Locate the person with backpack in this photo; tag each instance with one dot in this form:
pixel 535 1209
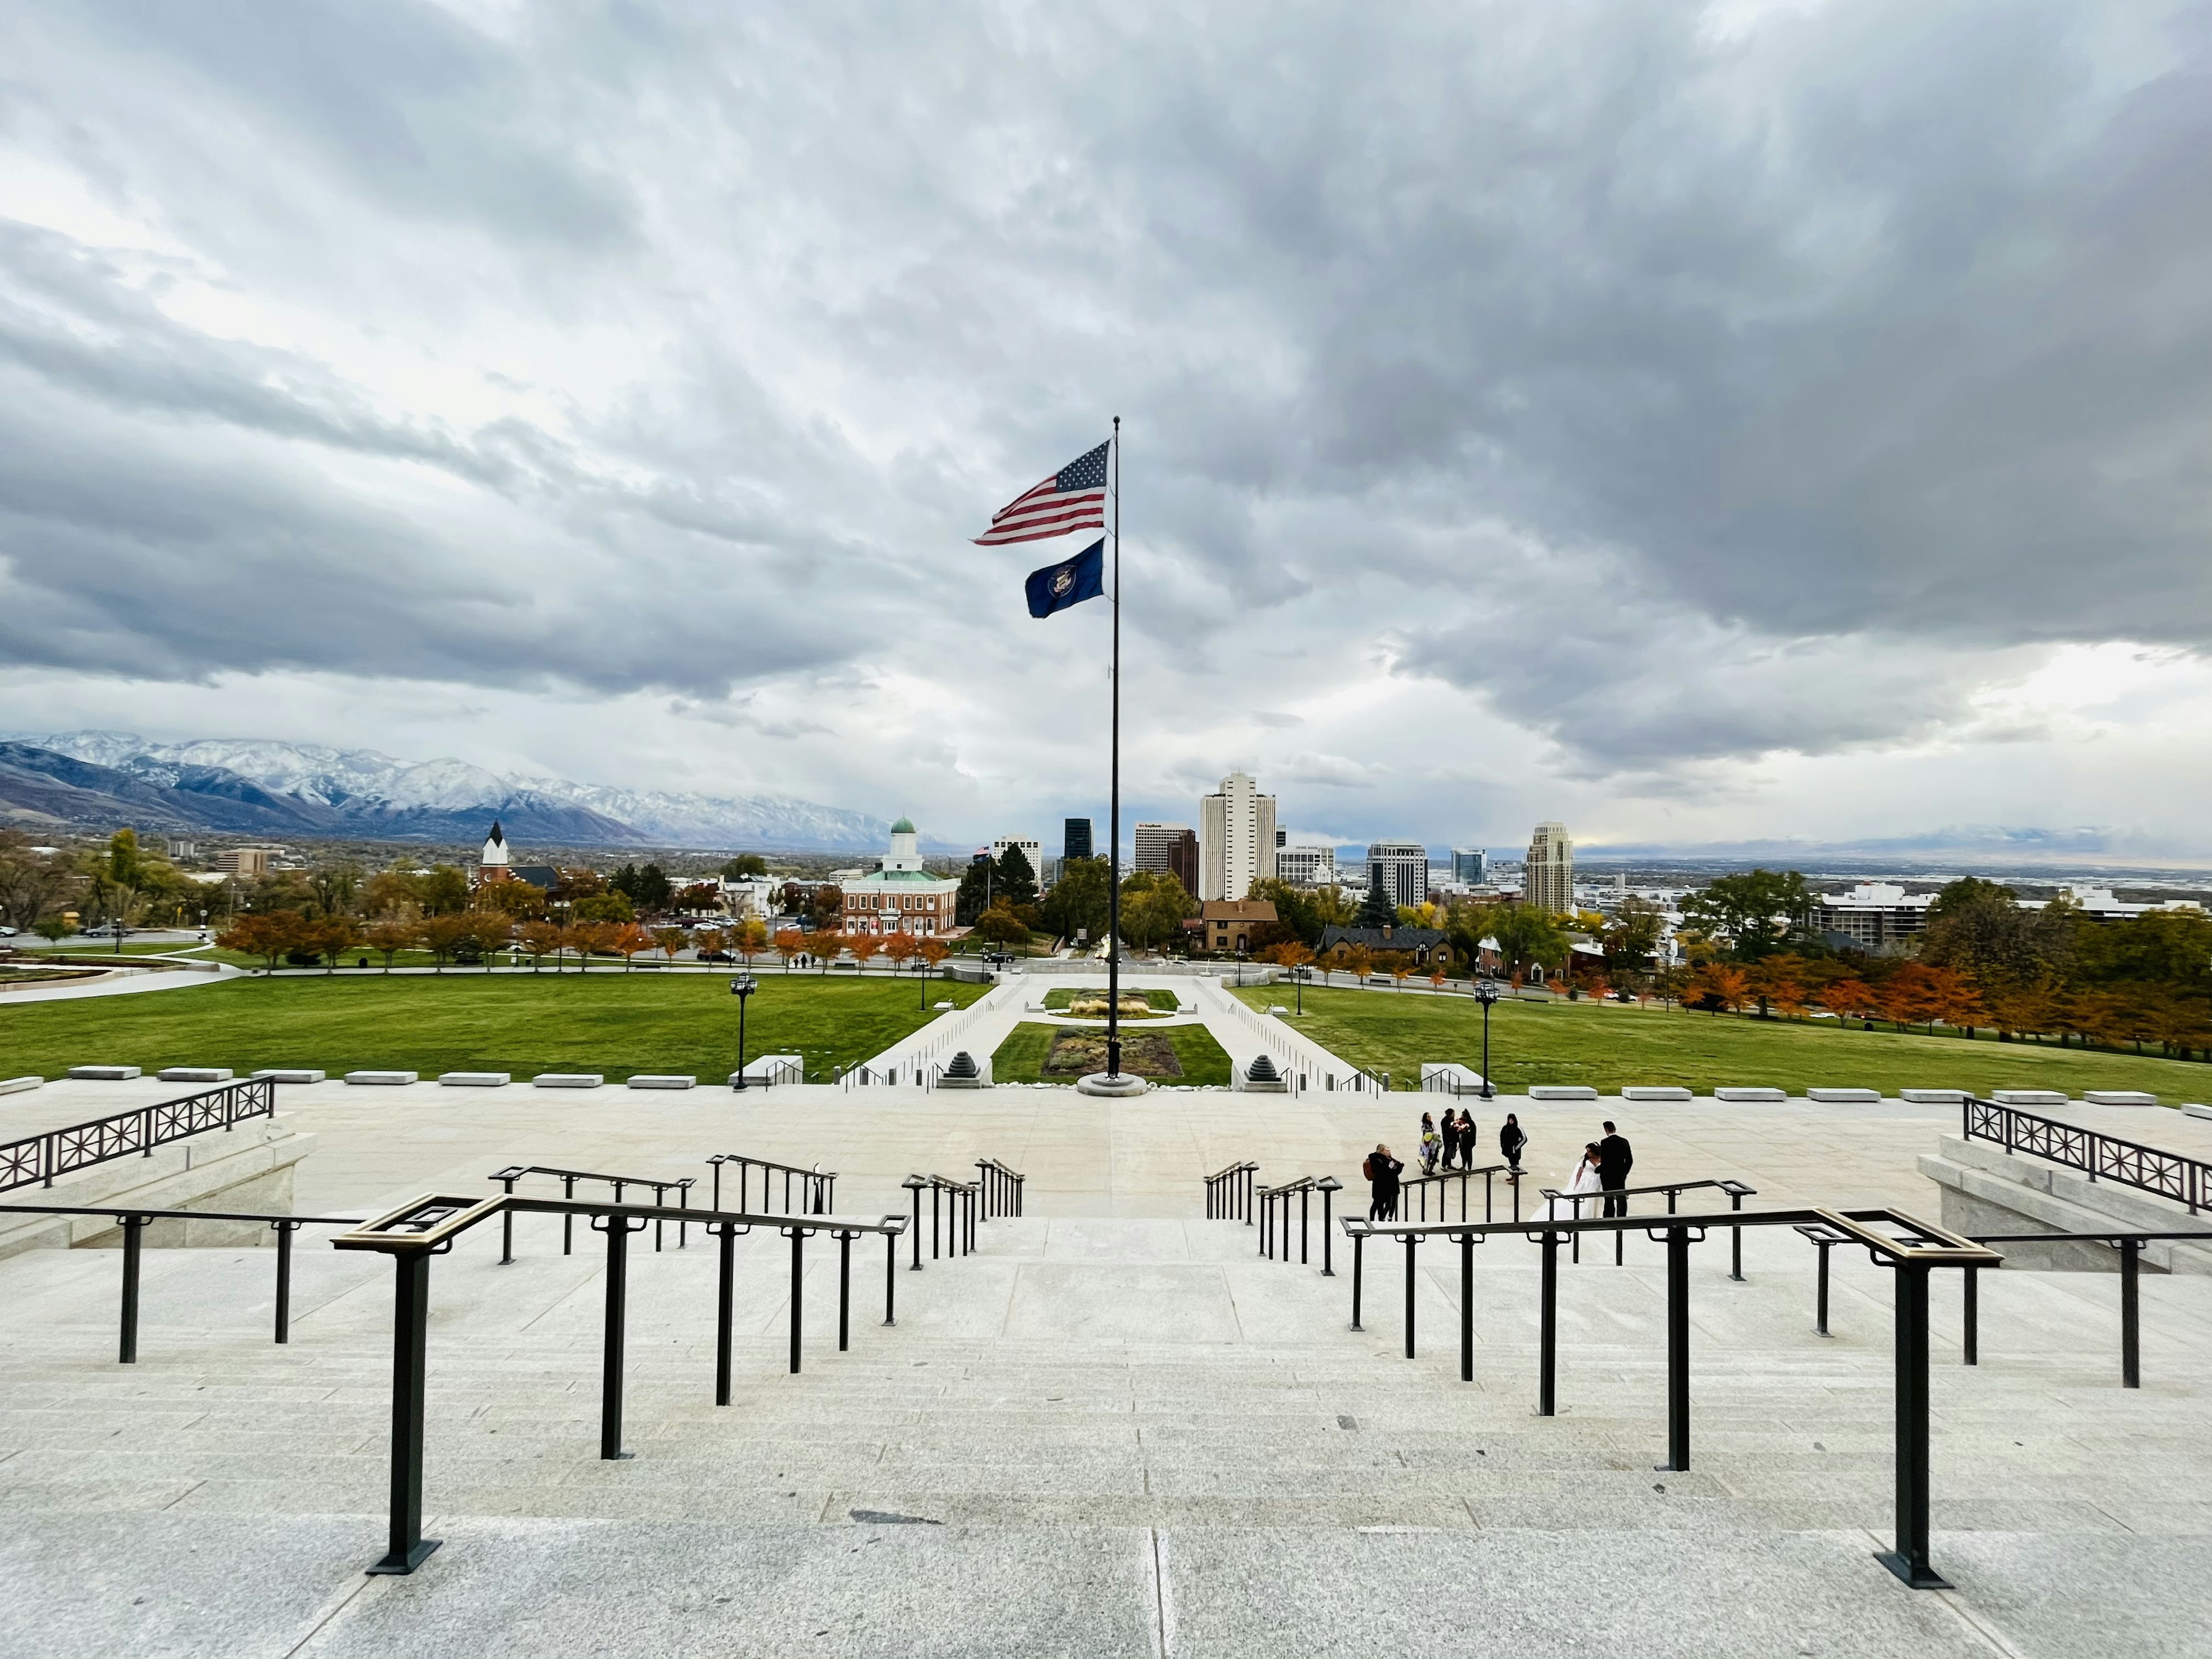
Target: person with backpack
pixel 1381 1171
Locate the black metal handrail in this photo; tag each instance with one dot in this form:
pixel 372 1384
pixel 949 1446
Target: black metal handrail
pixel 568 1178
pixel 1418 1186
pixel 2101 1157
pixel 1736 1191
pixel 431 1225
pixel 957 1230
pixel 134 1222
pixel 817 1187
pixel 1913 1250
pixel 1274 1229
pixel 2129 1242
pixel 37 1159
pixel 1001 1189
pixel 1229 1193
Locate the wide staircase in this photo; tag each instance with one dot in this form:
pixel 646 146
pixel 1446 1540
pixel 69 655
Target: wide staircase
pixel 1088 1435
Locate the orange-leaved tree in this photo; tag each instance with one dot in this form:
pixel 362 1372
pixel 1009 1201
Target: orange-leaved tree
pixel 629 939
pixel 901 948
pixel 265 933
pixel 824 942
pixel 388 939
pixel 442 936
pixel 542 939
pixel 790 943
pixel 865 947
pixel 671 940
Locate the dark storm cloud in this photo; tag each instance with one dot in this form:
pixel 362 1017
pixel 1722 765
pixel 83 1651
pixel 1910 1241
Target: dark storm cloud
pixel 1866 342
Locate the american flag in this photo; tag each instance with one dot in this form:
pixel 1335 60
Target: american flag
pixel 1074 498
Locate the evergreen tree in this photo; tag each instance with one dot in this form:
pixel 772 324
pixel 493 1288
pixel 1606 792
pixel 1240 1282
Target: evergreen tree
pixel 1015 882
pixel 977 888
pixel 1378 909
pixel 653 891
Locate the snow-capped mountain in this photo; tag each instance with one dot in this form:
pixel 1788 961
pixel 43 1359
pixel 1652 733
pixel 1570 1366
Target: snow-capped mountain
pixel 259 785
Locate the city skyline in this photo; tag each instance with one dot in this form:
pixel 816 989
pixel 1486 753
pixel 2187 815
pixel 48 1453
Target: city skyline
pixel 611 405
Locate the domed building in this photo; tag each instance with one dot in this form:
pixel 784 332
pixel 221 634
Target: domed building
pixel 900 897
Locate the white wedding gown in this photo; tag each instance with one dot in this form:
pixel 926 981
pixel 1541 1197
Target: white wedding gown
pixel 1562 1207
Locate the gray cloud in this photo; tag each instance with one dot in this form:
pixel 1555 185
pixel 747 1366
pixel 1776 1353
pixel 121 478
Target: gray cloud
pixel 1690 391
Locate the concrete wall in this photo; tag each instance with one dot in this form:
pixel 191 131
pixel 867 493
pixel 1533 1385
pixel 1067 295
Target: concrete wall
pixel 248 1167
pixel 1985 1191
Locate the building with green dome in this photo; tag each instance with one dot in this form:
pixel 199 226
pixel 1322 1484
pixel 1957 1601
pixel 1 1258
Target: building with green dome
pixel 901 896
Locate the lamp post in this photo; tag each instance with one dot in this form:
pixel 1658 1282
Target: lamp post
pixel 1485 992
pixel 1301 974
pixel 742 988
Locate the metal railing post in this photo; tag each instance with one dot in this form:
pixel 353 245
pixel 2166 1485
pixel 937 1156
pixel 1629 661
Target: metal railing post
pixel 405 1547
pixel 1327 1240
pixel 1358 1255
pixel 1466 1307
pixel 844 1289
pixel 1735 1241
pixel 936 1205
pixel 913 1184
pixel 1412 1239
pixel 798 1275
pixel 569 1221
pixel 1971 1309
pixel 1909 1560
pixel 506 1222
pixel 891 1279
pixel 1678 1349
pixel 1305 1213
pixel 725 1309
pixel 2131 1324
pixel 284 1230
pixel 610 1362
pixel 134 1227
pixel 1822 1248
pixel 1548 1348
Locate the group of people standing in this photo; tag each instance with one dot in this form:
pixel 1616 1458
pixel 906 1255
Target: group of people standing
pixel 1602 1169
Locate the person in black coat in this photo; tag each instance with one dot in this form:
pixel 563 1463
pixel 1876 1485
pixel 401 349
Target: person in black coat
pixel 1382 1171
pixel 1510 1140
pixel 1615 1161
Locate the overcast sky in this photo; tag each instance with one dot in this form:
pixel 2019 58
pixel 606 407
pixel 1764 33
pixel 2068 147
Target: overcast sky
pixel 1692 424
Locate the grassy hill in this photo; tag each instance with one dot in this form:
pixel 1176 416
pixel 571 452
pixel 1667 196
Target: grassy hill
pixel 612 1023
pixel 1612 1044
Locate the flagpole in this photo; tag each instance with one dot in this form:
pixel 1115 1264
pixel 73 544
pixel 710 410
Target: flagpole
pixel 1113 812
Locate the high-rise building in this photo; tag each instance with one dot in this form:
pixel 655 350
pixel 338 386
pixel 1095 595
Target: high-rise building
pixel 1032 850
pixel 1235 838
pixel 1075 839
pixel 1306 866
pixel 1403 866
pixel 1183 860
pixel 1470 864
pixel 1154 841
pixel 1549 881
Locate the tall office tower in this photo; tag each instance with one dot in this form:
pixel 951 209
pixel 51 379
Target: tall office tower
pixel 1235 839
pixel 1154 843
pixel 1032 850
pixel 1183 860
pixel 1075 839
pixel 1470 864
pixel 1404 867
pixel 1550 880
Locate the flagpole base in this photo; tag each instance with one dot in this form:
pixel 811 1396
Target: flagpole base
pixel 1111 1082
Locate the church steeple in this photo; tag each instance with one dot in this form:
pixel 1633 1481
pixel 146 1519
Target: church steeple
pixel 495 849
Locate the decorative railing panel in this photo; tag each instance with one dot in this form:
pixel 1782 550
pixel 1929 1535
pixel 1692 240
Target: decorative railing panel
pixel 36 1160
pixel 2099 1155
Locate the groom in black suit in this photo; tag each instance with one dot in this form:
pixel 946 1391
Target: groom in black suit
pixel 1615 1160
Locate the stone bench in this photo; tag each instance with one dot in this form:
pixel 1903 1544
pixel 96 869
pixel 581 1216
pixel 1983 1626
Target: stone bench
pixel 1561 1091
pixel 293 1075
pixel 1844 1096
pixel 16 1085
pixel 1933 1097
pixel 105 1073
pixel 2029 1097
pixel 1654 1092
pixel 567 1080
pixel 660 1080
pixel 195 1074
pixel 1751 1094
pixel 383 1080
pixel 2119 1097
pixel 475 1079
pixel 2195 1108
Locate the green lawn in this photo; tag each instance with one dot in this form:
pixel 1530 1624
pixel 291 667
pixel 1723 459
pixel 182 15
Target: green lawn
pixel 1160 1001
pixel 611 1023
pixel 1020 1058
pixel 1610 1045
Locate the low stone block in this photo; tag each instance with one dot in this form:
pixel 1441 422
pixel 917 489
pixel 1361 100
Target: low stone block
pixel 1846 1097
pixel 2029 1097
pixel 195 1074
pixel 384 1079
pixel 567 1080
pixel 2119 1097
pixel 2195 1108
pixel 475 1079
pixel 16 1085
pixel 1561 1091
pixel 1654 1092
pixel 293 1075
pixel 105 1073
pixel 1751 1094
pixel 661 1080
pixel 1933 1097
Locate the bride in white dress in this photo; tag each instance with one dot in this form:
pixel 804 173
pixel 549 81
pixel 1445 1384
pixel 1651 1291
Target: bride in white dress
pixel 1584 1180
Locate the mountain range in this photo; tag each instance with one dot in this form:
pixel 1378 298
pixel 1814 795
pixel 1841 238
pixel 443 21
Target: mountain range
pixel 258 786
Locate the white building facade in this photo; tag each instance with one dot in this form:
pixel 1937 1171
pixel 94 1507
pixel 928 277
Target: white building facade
pixel 1235 839
pixel 1306 866
pixel 1549 879
pixel 1403 868
pixel 900 897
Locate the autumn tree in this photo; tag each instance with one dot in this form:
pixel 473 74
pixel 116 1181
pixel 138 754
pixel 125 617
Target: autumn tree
pixel 542 939
pixel 671 940
pixel 488 932
pixel 901 949
pixel 388 939
pixel 1757 912
pixel 267 934
pixel 751 938
pixel 1000 926
pixel 790 943
pixel 442 936
pixel 865 947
